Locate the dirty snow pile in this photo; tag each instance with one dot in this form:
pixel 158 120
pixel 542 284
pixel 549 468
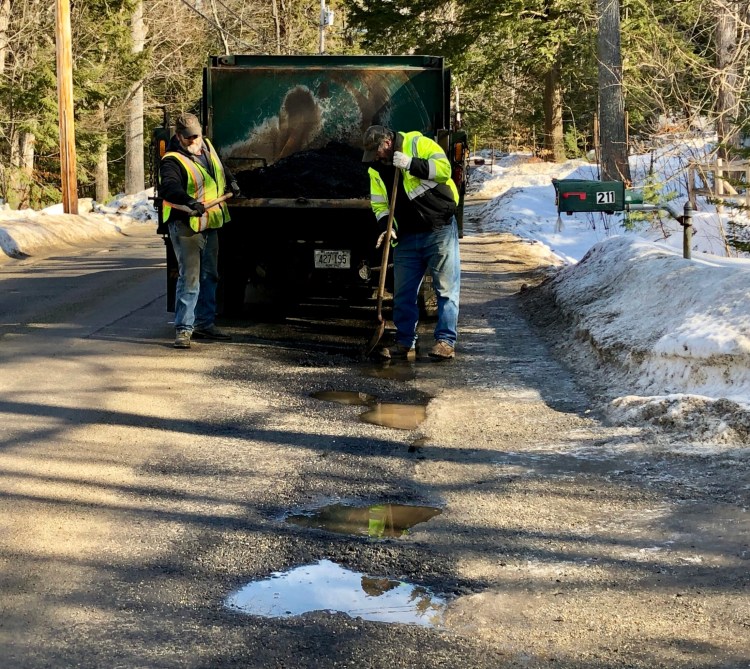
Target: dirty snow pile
pixel 26 232
pixel 666 339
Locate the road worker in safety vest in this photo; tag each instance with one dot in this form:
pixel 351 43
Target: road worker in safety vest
pixel 191 175
pixel 424 236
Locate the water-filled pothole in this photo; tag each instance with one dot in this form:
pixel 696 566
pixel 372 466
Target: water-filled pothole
pixel 326 586
pixel 399 416
pixel 376 521
pixel 350 397
pixel 392 372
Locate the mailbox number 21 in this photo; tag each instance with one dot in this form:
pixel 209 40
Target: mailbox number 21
pixel 605 197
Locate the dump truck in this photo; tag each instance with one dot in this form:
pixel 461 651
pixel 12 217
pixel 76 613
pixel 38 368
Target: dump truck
pixel 290 129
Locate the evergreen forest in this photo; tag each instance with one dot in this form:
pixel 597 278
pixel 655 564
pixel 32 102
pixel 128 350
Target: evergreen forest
pixel 527 74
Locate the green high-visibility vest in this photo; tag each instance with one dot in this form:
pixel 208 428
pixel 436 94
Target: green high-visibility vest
pixel 203 187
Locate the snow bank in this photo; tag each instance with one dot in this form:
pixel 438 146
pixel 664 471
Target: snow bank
pixel 673 325
pixel 27 232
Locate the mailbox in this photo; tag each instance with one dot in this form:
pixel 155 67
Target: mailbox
pixel 586 195
pixel 634 196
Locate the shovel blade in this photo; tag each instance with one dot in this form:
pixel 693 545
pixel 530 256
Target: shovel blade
pixel 376 337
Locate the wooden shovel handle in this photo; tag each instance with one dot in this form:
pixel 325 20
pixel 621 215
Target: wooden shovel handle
pixel 207 205
pixel 387 243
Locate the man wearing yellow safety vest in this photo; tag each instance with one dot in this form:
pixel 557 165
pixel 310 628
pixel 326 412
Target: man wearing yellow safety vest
pixel 425 234
pixel 191 174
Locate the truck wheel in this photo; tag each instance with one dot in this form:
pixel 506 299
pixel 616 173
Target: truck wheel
pixel 427 299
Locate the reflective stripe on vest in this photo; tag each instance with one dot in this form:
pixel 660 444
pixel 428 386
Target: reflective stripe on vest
pixel 202 187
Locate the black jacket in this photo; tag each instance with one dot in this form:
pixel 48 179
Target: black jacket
pixel 173 179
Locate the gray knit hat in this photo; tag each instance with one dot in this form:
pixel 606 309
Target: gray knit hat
pixel 188 125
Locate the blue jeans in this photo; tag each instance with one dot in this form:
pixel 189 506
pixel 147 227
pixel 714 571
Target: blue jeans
pixel 198 259
pixel 436 251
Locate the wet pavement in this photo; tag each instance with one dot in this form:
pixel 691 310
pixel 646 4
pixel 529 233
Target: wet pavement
pixel 231 508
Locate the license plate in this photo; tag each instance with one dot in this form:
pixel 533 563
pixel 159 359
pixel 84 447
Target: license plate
pixel 325 259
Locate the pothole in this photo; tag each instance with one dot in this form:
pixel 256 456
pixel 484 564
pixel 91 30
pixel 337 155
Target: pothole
pixel 375 521
pixel 349 397
pixel 399 416
pixel 391 371
pixel 326 586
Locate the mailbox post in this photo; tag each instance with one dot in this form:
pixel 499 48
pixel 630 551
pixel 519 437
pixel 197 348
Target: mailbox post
pixel 687 230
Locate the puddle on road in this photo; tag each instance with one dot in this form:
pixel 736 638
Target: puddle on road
pixel 393 371
pixel 377 521
pixel 326 586
pixel 399 416
pixel 349 397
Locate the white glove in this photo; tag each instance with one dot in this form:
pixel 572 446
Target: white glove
pixel 382 237
pixel 401 160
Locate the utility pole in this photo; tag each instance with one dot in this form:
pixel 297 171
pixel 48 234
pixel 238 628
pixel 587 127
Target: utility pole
pixel 64 54
pixel 326 19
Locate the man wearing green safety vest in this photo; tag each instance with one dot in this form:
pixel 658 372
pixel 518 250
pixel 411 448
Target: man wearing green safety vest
pixel 425 235
pixel 191 174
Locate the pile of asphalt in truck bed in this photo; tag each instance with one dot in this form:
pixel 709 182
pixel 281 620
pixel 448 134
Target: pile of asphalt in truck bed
pixel 335 171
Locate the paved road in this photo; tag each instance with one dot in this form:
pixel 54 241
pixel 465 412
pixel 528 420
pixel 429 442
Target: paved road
pixel 141 485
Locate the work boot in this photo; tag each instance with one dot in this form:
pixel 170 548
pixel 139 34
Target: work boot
pixel 211 332
pixel 395 352
pixel 182 339
pixel 442 350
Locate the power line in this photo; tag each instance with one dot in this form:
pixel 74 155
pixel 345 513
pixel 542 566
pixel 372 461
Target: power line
pixel 218 27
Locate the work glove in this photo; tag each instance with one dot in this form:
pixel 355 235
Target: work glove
pixel 401 160
pixel 382 237
pixel 197 206
pixel 235 188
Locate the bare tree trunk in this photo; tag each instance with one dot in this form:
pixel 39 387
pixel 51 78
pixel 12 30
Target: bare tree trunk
pixel 101 169
pixel 14 194
pixel 134 167
pixel 27 141
pixel 614 162
pixel 554 145
pixel 277 24
pixel 727 106
pixel 22 169
pixel 4 22
pixel 219 28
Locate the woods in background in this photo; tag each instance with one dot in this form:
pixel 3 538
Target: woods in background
pixel 527 71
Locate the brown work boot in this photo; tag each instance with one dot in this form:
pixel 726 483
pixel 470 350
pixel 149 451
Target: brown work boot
pixel 442 350
pixel 395 352
pixel 182 339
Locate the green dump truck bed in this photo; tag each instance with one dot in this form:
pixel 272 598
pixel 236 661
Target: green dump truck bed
pixel 290 129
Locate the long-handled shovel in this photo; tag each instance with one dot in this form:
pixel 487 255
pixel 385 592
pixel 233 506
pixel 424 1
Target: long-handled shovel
pixel 384 268
pixel 207 205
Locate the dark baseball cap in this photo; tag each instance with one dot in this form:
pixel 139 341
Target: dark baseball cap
pixel 373 138
pixel 188 125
